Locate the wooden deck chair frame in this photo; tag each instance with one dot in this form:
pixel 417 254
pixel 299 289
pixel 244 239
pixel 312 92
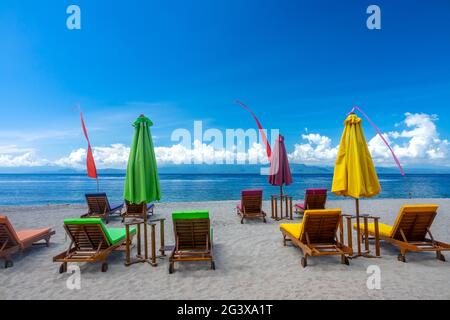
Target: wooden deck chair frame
pixel 319 235
pixel 99 206
pixel 88 244
pixel 314 199
pixel 251 205
pixel 137 210
pixel 193 241
pixel 11 244
pixel 410 231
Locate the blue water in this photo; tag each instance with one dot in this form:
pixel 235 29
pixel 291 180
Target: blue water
pixel 33 189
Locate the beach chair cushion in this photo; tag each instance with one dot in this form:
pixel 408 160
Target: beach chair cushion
pixel 31 234
pixel 384 230
pixel 114 235
pixel 295 229
pixel 188 215
pixel 390 231
pixel 300 206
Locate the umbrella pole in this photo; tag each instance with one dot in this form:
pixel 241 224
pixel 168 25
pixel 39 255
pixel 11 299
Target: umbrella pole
pixel 144 209
pixel 281 202
pixel 358 231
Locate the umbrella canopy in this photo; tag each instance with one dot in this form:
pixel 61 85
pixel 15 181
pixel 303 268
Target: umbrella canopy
pixel 142 181
pixel 354 172
pixel 280 173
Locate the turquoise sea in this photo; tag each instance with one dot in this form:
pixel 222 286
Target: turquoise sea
pixel 39 189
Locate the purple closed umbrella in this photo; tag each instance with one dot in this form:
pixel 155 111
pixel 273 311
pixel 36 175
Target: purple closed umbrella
pixel 280 173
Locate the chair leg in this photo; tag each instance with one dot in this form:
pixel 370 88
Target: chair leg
pixel 344 260
pixel 402 255
pixel 242 220
pixel 284 240
pixel 304 261
pixel 440 256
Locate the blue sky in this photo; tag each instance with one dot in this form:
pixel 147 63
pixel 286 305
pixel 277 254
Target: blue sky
pixel 298 64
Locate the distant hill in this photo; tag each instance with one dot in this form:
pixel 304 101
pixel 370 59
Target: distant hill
pixel 220 169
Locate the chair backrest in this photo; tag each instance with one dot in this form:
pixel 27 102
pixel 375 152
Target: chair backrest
pixel 192 230
pixel 251 200
pixel 97 203
pixel 321 225
pixel 134 210
pixel 88 233
pixel 414 221
pixel 7 234
pixel 315 198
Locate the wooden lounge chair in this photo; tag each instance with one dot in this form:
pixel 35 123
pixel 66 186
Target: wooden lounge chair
pixel 410 231
pixel 250 206
pixel 317 235
pixel 91 241
pixel 99 207
pixel 193 238
pixel 12 241
pixel 314 199
pixel 137 210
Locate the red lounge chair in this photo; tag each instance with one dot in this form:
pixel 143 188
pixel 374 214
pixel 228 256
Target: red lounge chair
pixel 314 199
pixel 12 241
pixel 251 205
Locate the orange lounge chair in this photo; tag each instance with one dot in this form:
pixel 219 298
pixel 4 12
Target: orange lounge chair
pixel 317 235
pixel 12 241
pixel 314 199
pixel 251 205
pixel 410 230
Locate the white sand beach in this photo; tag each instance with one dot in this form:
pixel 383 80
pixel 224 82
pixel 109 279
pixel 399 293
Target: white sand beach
pixel 251 262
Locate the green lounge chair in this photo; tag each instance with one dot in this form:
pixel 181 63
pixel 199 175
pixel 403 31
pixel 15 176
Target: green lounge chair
pixel 91 241
pixel 193 238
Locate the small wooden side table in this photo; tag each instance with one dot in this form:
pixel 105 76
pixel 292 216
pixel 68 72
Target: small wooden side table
pixel 288 206
pixel 162 248
pixel 365 234
pixel 137 223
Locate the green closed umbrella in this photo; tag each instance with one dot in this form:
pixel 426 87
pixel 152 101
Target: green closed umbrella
pixel 142 181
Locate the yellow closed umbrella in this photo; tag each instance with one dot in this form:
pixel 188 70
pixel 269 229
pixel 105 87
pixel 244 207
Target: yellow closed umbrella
pixel 354 172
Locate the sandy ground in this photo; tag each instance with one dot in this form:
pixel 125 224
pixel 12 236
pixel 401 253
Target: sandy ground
pixel 251 262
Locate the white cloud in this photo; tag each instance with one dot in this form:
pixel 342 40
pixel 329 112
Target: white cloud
pixel 27 159
pixel 114 157
pixel 317 149
pixel 419 142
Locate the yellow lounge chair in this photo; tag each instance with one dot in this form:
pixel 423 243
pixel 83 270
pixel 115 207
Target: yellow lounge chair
pixel 317 235
pixel 410 230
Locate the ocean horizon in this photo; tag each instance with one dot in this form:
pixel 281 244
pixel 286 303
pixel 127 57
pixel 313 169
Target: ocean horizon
pixel 43 189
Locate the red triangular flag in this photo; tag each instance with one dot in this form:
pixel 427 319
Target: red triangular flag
pixel 90 163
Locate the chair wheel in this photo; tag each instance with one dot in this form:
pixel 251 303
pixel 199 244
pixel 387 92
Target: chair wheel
pixel 304 262
pixel 104 267
pixel 440 256
pixel 213 265
pixel 63 268
pixel 171 268
pixel 8 264
pixel 401 258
